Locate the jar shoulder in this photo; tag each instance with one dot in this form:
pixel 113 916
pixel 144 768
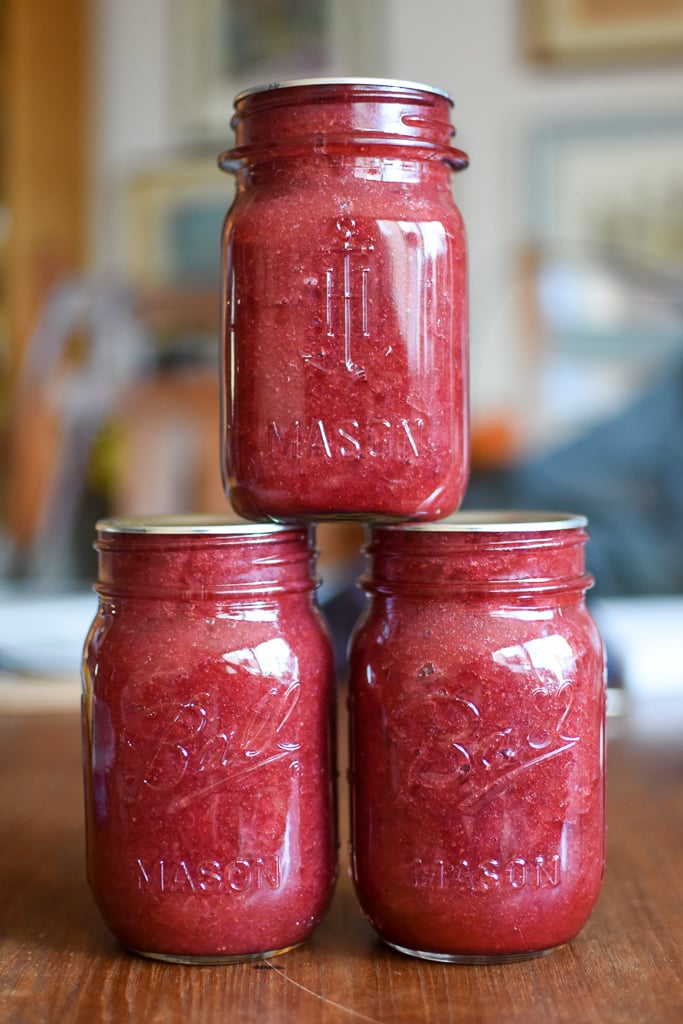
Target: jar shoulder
pixel 417 642
pixel 267 640
pixel 317 203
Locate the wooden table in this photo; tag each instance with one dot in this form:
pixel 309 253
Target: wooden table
pixel 59 963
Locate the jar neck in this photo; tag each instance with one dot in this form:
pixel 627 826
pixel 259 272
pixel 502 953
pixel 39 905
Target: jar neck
pixel 308 169
pixel 391 120
pixel 434 563
pixel 198 567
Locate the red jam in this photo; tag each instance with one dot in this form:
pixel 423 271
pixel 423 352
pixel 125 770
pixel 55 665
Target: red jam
pixel 345 305
pixel 477 722
pixel 208 702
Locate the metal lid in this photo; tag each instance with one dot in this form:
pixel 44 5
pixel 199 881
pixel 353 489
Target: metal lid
pixel 495 521
pixel 375 83
pixel 188 524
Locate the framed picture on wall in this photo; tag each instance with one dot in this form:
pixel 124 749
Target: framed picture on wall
pixel 174 213
pixel 605 223
pixel 223 46
pixel 611 183
pixel 601 31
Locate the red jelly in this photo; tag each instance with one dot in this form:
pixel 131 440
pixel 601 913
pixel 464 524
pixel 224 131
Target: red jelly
pixel 345 326
pixel 207 712
pixel 477 722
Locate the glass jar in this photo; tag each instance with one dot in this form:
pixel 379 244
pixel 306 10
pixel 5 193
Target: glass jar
pixel 477 738
pixel 207 715
pixel 344 378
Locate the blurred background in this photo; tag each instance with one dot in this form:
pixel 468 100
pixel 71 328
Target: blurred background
pixel 112 113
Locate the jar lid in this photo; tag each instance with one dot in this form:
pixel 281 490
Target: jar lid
pixel 375 83
pixel 188 524
pixel 495 521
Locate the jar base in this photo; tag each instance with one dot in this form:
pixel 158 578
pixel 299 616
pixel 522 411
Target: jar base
pixel 308 517
pixel 214 960
pixel 470 958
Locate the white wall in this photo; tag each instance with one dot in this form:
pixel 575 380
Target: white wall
pixel 133 121
pixel 469 47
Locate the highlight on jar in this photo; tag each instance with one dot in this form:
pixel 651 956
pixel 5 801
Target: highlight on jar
pixel 344 274
pixel 208 712
pixel 477 720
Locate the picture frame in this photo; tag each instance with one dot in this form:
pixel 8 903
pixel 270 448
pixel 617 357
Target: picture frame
pixel 605 233
pixel 574 32
pixel 174 213
pixel 588 177
pixel 221 47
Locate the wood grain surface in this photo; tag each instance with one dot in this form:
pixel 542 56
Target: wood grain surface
pixel 59 963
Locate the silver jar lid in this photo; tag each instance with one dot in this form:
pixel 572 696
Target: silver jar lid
pixel 495 521
pixel 188 524
pixel 375 83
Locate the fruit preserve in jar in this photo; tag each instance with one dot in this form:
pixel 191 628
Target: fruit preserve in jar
pixel 344 335
pixel 207 720
pixel 477 737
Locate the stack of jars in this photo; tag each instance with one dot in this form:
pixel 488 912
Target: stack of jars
pixel 475 673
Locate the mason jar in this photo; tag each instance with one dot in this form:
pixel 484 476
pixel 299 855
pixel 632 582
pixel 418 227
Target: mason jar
pixel 344 334
pixel 477 737
pixel 207 722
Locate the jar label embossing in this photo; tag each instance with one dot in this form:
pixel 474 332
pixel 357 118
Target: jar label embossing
pixel 182 875
pixel 196 753
pixel 308 440
pixel 542 871
pixel 465 748
pixel 347 325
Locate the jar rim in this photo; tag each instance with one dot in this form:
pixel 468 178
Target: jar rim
pixel 200 523
pixel 375 83
pixel 493 521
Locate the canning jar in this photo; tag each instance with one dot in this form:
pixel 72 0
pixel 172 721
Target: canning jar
pixel 207 719
pixel 344 335
pixel 477 737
